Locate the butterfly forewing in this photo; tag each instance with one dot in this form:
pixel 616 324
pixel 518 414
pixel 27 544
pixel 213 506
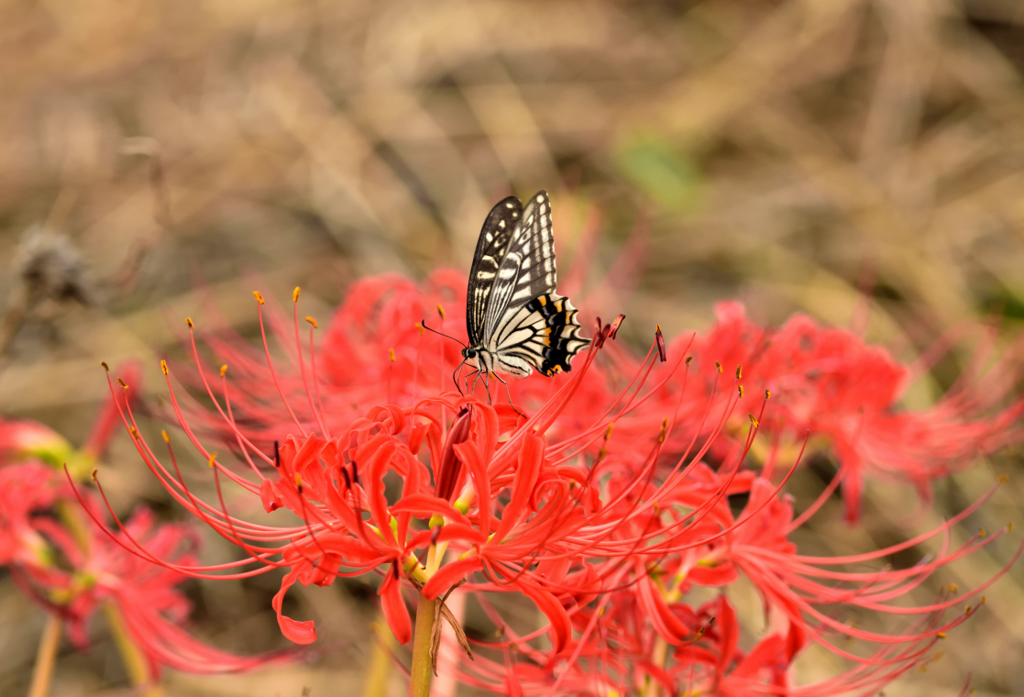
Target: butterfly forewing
pixel 491 248
pixel 528 269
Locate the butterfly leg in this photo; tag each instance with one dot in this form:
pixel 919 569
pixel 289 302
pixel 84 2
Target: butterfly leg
pixel 456 378
pixel 476 376
pixel 487 386
pixel 508 393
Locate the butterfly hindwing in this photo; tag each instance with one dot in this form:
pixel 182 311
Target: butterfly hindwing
pixel 543 334
pixel 491 248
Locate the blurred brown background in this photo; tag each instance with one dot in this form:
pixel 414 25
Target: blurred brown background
pixel 792 153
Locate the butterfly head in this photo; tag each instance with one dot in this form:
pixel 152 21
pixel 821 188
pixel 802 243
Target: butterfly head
pixel 478 358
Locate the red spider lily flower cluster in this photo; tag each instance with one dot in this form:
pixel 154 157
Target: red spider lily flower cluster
pixel 605 520
pixel 826 383
pixel 828 386
pixel 71 568
pixel 646 636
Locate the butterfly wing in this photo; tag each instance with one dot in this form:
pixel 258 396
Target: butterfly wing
pixel 527 269
pixel 491 249
pixel 543 334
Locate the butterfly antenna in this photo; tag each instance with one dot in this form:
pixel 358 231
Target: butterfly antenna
pixel 423 322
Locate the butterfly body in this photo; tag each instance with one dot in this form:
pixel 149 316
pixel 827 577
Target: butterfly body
pixel 516 321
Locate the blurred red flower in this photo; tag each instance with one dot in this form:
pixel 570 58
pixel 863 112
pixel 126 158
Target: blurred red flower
pixel 71 568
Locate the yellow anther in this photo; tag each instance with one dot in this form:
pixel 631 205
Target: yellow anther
pixel 295 295
pixel 664 429
pixel 259 296
pixel 167 438
pixel 440 310
pixel 688 359
pixel 188 321
pixel 298 481
pixel 739 372
pixel 657 329
pixel 608 431
pixel 967 610
pixel 313 322
pixel 657 508
pixel 718 366
pixel 984 600
pixel 753 420
pixel 213 458
pixel 224 370
pixel 163 367
pixel 391 354
pixel 941 635
pixel 94 473
pixel 122 383
pixel 767 394
pixel 981 532
pixel 1009 527
pixel 133 431
pixel 105 366
pixel 953 588
pixel 419 326
pixel 741 391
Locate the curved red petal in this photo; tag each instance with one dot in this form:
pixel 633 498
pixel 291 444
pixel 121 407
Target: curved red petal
pixel 395 610
pixel 450 574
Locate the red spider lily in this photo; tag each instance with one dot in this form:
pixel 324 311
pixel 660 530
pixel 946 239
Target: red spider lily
pixel 826 383
pixel 644 633
pixel 71 569
pixel 27 439
pixel 392 472
pixel 554 515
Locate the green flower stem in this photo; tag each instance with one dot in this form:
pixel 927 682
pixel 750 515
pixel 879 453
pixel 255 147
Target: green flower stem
pixel 135 663
pixel 422 670
pixel 658 657
pixel 380 661
pixel 46 658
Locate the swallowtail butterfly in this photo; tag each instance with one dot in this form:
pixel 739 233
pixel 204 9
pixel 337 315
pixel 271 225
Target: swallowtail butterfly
pixel 516 320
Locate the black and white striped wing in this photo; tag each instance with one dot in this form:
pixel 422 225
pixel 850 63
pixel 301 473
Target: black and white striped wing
pixel 527 269
pixel 491 249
